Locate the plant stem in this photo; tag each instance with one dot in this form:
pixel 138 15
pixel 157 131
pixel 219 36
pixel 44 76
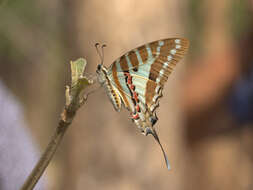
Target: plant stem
pixel 46 157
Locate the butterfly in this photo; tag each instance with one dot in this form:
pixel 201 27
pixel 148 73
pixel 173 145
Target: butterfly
pixel 136 80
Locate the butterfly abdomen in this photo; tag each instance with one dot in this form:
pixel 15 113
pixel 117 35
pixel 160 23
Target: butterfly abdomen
pixel 113 96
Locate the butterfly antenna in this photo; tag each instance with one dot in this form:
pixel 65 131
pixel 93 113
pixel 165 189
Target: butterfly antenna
pixel 154 134
pixel 103 46
pixel 97 46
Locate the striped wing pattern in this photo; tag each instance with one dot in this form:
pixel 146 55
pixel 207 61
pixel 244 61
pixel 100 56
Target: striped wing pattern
pixel 138 77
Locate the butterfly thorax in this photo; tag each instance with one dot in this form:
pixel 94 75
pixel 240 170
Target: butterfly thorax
pixel 101 74
pixel 103 79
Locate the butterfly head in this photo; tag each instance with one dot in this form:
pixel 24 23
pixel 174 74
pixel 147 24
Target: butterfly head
pixel 101 73
pixel 101 69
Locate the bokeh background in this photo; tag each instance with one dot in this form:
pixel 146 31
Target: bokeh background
pixel 205 116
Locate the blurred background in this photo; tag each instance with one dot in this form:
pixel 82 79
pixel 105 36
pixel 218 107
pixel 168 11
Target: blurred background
pixel 205 116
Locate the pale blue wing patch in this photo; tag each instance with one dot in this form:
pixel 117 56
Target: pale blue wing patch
pixel 139 83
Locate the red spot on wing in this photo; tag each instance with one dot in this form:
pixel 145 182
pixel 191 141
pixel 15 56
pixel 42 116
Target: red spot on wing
pixel 135 116
pixel 129 78
pixel 135 96
pixel 129 81
pixel 138 108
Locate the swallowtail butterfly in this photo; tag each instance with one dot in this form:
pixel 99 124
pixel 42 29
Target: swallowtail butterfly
pixel 136 80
